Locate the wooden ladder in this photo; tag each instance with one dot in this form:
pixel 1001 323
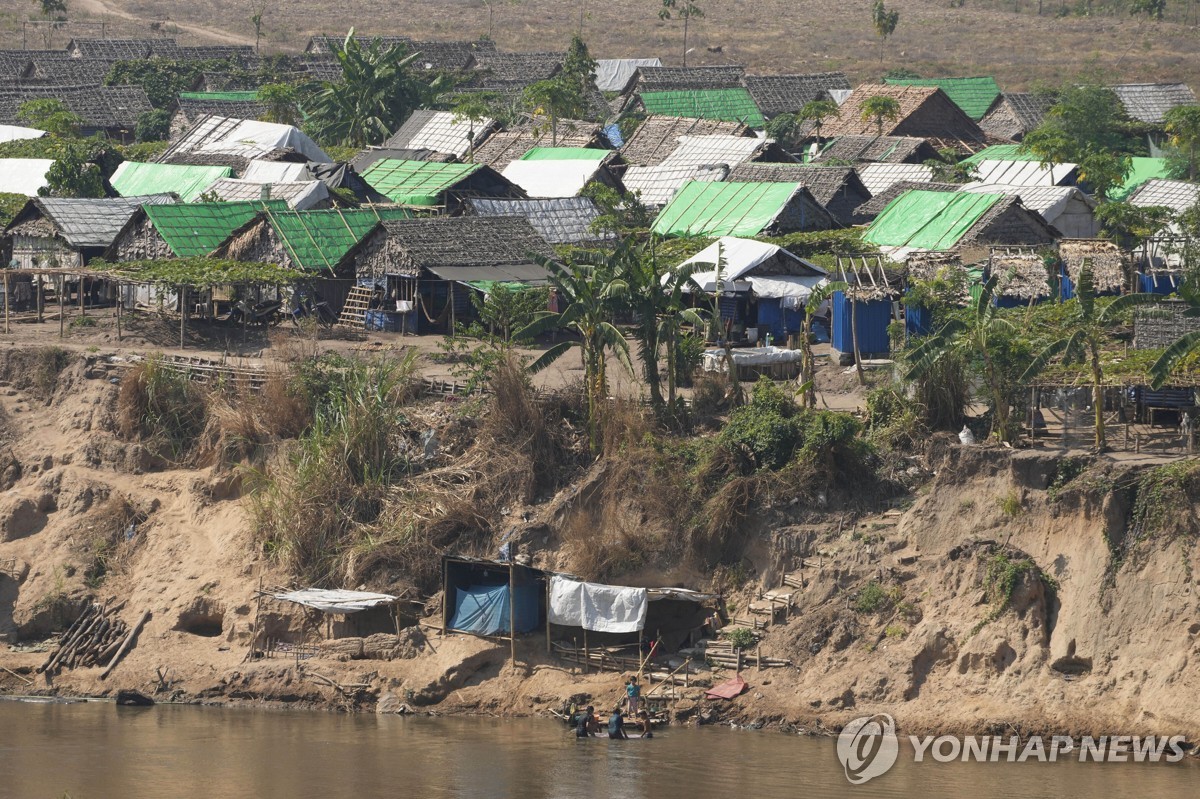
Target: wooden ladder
pixel 354 312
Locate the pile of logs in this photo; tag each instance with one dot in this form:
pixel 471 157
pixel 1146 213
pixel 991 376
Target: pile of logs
pixel 96 638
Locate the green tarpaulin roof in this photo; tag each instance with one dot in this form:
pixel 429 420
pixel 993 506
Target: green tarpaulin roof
pixel 229 97
pixel 1001 152
pixel 133 179
pixel 732 105
pixel 415 182
pixel 973 95
pixel 1143 169
pixel 321 239
pixel 196 229
pixel 723 209
pixel 566 154
pixel 929 220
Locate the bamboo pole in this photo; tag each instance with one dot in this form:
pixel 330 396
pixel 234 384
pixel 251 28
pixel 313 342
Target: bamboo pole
pixel 182 315
pixel 548 645
pixel 120 302
pixel 62 303
pixel 7 301
pixel 40 300
pixel 82 309
pixel 512 613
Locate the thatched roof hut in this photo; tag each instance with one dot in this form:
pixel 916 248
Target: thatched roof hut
pixel 1015 114
pixel 658 136
pixel 1109 263
pixel 925 112
pixel 885 149
pixel 1022 274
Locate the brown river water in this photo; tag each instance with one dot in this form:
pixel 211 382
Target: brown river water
pixel 97 751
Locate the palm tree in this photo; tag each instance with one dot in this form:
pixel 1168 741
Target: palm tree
pixel 808 366
pixel 1082 340
pixel 973 336
pixel 816 112
pixel 879 108
pixel 378 91
pixel 588 293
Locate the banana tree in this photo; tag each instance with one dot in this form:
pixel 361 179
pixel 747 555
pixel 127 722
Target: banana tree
pixel 588 293
pixel 808 366
pixel 974 335
pixel 1082 340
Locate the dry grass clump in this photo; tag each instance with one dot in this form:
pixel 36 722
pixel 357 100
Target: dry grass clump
pixel 109 538
pixel 161 407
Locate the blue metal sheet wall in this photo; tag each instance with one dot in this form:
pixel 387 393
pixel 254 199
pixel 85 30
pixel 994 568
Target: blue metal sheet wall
pixel 873 320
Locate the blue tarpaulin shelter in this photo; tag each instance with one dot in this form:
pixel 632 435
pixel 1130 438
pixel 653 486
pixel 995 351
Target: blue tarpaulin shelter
pixel 483 609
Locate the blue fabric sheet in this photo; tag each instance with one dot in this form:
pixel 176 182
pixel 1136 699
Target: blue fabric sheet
pixel 483 609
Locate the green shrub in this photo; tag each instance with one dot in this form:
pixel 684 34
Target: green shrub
pixel 873 598
pixel 766 429
pixel 742 637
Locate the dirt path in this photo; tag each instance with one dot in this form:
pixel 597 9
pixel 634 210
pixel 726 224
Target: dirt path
pixel 102 9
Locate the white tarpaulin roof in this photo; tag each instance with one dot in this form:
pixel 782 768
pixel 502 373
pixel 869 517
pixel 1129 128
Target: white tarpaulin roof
pixel 246 138
pixel 332 601
pixel 300 196
pixel 23 175
pixel 1023 173
pixel 17 133
pixel 742 256
pixel 613 74
pixel 276 172
pixel 596 607
pixel 557 178
pixel 714 360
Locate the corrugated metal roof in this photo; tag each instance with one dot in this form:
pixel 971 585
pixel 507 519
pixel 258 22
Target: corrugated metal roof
pixel 196 229
pixel 416 182
pixel 732 105
pixel 566 220
pixel 929 220
pixel 973 95
pixel 1001 152
pixel 439 131
pixel 134 178
pixel 1150 102
pixel 724 209
pixel 877 177
pixel 93 222
pixel 1178 195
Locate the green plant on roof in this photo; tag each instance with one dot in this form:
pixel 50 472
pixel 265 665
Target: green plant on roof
pixel 281 103
pixel 378 91
pixel 50 115
pixel 685 10
pixel 879 109
pixel 1086 126
pixel 1182 124
pixel 153 125
pixel 884 22
pixel 1082 337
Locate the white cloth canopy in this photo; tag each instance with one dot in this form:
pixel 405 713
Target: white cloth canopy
pixel 247 138
pixel 613 74
pixel 334 601
pixel 742 257
pixel 24 175
pixel 596 607
pixel 17 133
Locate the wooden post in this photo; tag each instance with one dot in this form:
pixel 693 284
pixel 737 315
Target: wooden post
pixel 182 315
pixel 548 646
pixel 512 612
pixel 62 303
pixel 39 299
pixel 445 595
pixel 82 309
pixel 120 302
pixel 7 301
pixel 586 653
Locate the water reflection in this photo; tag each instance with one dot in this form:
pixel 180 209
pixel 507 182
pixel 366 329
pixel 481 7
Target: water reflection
pixel 95 751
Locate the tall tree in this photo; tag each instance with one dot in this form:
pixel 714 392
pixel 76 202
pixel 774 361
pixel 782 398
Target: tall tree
pixel 554 99
pixel 378 91
pixel 256 19
pixel 55 13
pixel 884 22
pixel 50 115
pixel 1081 339
pixel 878 109
pixel 1183 128
pixel 586 295
pixel 816 112
pixel 684 10
pixel 474 107
pixel 281 103
pixel 977 333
